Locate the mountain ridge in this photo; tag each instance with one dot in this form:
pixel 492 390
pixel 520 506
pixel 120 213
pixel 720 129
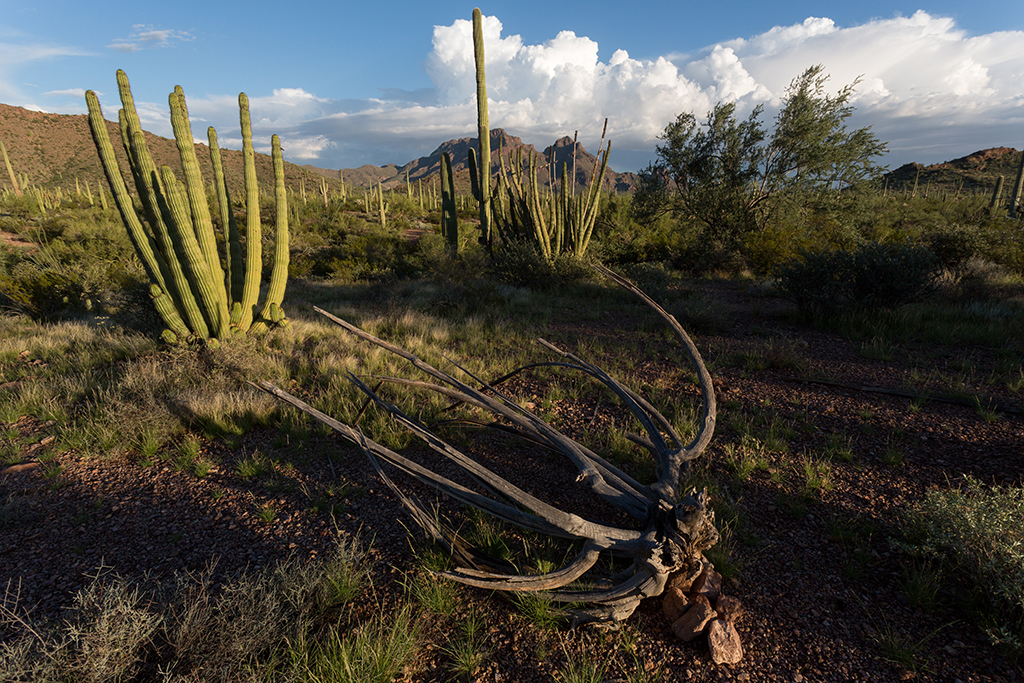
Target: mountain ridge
pixel 57 149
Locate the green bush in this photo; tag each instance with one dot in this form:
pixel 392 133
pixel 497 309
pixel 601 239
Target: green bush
pixel 955 244
pixel 978 533
pixel 873 277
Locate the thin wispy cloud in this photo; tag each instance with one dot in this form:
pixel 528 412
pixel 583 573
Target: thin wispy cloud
pixel 144 36
pixel 16 51
pixel 67 92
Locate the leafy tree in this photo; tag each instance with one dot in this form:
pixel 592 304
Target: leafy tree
pixel 729 176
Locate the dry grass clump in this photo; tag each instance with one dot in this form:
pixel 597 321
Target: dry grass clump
pixel 291 621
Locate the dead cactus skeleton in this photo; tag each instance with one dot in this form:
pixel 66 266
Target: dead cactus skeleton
pixel 670 536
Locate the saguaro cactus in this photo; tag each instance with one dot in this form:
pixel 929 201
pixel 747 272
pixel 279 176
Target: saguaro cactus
pixel 997 194
pixel 449 215
pixel 483 190
pixel 1018 189
pixel 176 241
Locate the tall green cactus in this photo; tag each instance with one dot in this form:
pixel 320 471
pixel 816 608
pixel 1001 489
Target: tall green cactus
pixel 483 188
pixel 176 242
pixel 382 207
pixel 997 194
pixel 449 214
pixel 10 171
pixel 1018 189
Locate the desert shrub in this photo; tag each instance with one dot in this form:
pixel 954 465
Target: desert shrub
pixel 978 533
pixel 520 263
pixel 63 277
pixel 954 244
pixel 873 277
pixel 364 256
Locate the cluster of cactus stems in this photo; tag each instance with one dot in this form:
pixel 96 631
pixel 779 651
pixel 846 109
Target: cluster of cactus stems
pixel 197 296
pixel 557 224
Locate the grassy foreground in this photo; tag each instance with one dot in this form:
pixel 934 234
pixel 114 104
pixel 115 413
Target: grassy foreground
pixel 113 394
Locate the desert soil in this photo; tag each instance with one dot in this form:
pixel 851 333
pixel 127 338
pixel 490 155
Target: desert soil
pixel 817 602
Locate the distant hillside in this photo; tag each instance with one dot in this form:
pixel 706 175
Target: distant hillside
pixel 972 173
pixel 56 149
pixel 428 167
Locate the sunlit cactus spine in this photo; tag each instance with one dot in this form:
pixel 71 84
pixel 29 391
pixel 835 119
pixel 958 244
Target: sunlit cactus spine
pixel 176 241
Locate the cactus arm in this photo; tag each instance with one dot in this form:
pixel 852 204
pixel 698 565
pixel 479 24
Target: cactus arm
pixel 143 242
pixel 253 229
pixel 190 255
pixel 176 330
pixel 235 276
pixel 210 279
pixel 279 273
pixel 145 245
pixel 593 204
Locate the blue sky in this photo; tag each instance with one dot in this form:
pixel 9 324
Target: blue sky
pixel 351 83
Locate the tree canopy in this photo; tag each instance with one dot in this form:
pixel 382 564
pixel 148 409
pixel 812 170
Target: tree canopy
pixel 730 176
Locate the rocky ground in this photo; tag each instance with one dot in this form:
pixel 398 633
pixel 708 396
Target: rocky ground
pixel 823 589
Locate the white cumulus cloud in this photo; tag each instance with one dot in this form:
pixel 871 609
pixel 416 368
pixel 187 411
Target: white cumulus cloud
pixel 926 87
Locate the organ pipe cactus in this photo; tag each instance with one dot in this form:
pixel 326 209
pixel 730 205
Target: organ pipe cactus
pixel 557 224
pixel 197 297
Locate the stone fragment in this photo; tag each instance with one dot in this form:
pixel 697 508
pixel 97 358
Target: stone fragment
pixel 674 604
pixel 729 608
pixel 23 467
pixel 684 578
pixel 693 621
pixel 724 642
pixel 708 584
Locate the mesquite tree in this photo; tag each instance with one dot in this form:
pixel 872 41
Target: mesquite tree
pixel 668 533
pixel 734 178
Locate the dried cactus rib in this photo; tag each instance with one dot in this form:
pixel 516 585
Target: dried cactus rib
pixel 671 534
